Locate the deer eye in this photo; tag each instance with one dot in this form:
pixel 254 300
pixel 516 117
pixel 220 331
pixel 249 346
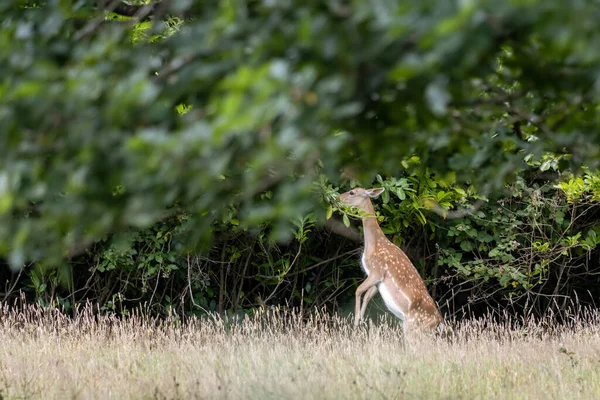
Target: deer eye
pixel 352 193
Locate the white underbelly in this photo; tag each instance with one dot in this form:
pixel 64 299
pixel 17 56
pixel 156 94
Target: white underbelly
pixel 389 301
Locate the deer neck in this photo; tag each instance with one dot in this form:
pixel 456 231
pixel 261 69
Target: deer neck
pixel 372 231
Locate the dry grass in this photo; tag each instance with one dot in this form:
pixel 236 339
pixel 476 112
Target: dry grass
pixel 44 354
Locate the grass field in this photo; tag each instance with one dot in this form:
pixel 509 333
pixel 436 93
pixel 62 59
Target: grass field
pixel 44 354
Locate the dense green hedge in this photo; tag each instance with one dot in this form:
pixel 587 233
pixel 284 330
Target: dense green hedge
pixel 184 155
pixel 533 249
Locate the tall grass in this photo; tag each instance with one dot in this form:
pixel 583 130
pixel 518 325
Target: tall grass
pixel 44 354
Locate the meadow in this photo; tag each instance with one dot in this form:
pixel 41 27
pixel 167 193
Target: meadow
pixel 275 354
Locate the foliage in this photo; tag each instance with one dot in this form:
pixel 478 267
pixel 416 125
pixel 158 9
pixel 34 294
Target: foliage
pixel 531 244
pixel 581 188
pixel 532 248
pixel 188 158
pixel 274 92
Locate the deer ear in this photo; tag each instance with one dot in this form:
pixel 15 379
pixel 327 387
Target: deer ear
pixel 373 193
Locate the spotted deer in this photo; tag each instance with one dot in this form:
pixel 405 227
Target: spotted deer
pixel 390 272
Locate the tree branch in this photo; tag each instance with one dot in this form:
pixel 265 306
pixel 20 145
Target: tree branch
pixel 336 226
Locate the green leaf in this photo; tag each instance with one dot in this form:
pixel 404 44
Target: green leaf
pixel 329 212
pixel 465 245
pixel 559 217
pixel 346 220
pixel 400 193
pixel 385 196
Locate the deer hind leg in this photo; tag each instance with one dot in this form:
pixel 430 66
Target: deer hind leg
pixel 419 325
pixel 366 286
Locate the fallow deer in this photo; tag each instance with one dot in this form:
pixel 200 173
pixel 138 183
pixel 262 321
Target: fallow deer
pixel 389 271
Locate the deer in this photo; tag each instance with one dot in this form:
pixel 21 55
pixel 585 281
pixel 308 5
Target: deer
pixel 390 272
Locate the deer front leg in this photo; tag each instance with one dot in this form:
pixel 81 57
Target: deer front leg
pixel 366 286
pixel 366 298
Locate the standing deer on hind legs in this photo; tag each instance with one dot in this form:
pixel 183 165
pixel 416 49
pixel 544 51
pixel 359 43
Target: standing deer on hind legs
pixel 390 272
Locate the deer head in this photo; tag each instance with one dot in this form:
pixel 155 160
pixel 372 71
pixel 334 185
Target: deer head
pixel 360 198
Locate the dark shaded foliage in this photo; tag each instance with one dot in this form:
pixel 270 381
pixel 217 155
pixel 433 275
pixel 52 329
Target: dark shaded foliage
pixel 214 122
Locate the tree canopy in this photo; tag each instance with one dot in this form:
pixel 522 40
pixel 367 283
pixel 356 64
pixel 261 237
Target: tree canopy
pixel 114 115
